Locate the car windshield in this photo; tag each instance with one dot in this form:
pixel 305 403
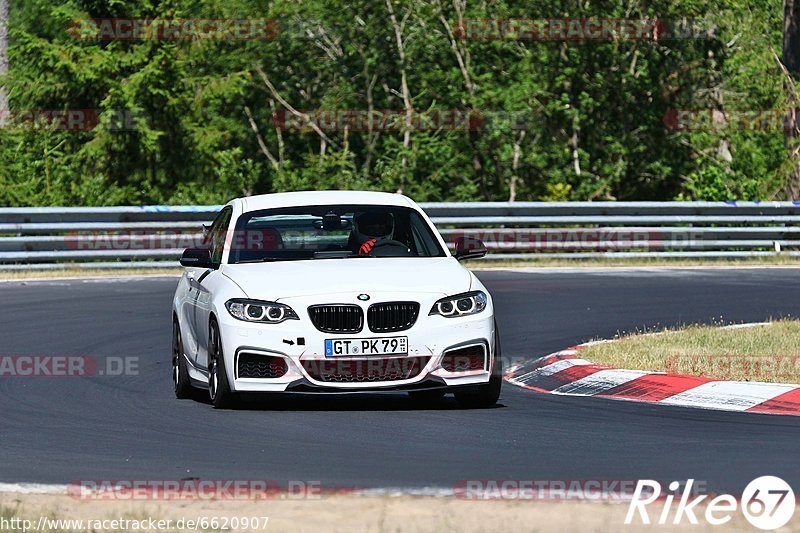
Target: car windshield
pixel 332 232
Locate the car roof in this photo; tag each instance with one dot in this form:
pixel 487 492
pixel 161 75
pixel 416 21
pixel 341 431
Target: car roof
pixel 301 198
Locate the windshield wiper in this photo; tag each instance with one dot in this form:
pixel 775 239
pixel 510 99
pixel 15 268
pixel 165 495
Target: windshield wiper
pixel 333 254
pixel 267 260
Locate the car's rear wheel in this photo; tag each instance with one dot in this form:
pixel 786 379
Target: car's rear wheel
pixel 180 374
pixel 219 390
pixel 486 395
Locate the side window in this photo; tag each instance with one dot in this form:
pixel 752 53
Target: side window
pixel 419 244
pixel 426 243
pixel 217 234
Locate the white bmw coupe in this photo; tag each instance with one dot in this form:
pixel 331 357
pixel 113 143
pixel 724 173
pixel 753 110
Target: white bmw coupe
pixel 334 291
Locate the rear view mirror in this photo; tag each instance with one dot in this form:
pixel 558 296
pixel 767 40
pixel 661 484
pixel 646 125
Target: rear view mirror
pixel 197 257
pixel 469 248
pixel 331 222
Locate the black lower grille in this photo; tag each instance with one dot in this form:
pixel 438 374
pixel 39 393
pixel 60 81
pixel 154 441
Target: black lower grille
pixel 251 365
pixel 365 370
pixel 392 316
pixel 465 359
pixel 339 318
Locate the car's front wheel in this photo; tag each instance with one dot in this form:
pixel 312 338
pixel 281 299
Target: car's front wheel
pixel 219 390
pixel 485 395
pixel 180 374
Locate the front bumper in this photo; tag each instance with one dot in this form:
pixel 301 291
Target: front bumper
pixel 306 366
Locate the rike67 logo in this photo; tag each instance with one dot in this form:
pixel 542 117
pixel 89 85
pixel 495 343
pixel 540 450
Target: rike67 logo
pixel 767 502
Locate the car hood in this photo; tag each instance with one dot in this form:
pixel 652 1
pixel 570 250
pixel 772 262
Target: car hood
pixel 286 279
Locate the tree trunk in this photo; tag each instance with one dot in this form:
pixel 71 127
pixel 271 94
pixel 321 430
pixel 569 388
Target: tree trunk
pixel 461 52
pixel 512 185
pixel 791 35
pixel 4 112
pixel 406 94
pixel 791 60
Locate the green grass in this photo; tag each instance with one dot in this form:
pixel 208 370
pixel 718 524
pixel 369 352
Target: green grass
pixel 761 353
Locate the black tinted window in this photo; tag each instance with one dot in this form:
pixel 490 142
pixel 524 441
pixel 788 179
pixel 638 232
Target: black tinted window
pixel 333 231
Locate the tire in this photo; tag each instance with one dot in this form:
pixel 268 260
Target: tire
pixel 180 374
pixel 484 396
pixel 219 390
pixel 427 396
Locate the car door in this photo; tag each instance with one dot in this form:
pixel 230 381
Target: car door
pixel 187 302
pixel 202 294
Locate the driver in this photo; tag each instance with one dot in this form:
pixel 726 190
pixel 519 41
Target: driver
pixel 371 227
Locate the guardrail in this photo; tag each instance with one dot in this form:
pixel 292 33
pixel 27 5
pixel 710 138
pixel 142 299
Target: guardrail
pixel 154 236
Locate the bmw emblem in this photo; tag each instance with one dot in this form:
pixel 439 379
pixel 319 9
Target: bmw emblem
pixel 363 297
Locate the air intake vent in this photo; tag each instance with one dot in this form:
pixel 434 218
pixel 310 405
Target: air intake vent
pixel 338 318
pixel 251 365
pixel 465 359
pixel 392 316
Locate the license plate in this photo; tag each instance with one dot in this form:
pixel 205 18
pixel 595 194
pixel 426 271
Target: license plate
pixel 375 346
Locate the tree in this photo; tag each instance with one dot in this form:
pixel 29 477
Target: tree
pixel 3 60
pixel 559 119
pixel 791 61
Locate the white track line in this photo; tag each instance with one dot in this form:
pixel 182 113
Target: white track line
pixel 748 325
pixel 728 395
pixel 33 488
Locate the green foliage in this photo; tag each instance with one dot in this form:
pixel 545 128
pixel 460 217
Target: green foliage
pixel 563 120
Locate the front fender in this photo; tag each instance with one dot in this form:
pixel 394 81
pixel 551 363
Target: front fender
pixel 216 289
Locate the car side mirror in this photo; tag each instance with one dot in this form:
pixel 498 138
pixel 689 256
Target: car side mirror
pixel 198 258
pixel 469 248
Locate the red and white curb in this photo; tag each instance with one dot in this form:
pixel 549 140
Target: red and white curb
pixel 567 374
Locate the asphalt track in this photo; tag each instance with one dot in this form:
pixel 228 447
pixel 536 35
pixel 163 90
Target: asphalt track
pixel 57 430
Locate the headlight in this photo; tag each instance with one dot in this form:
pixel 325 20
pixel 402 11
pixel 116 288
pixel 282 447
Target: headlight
pixel 257 311
pixel 467 303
